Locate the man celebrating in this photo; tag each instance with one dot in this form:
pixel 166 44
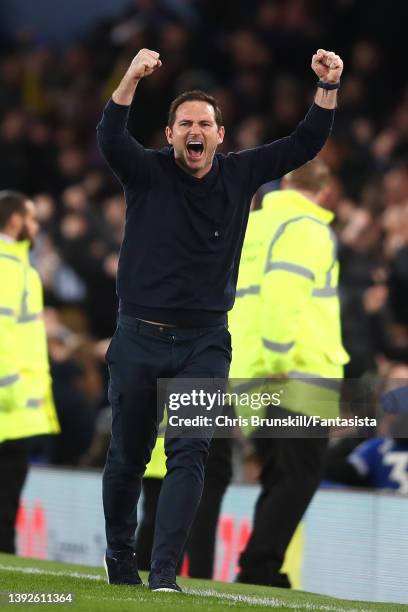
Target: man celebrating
pixel 187 210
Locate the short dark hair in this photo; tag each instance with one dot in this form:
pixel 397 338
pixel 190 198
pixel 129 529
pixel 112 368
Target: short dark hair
pixel 200 96
pixel 11 202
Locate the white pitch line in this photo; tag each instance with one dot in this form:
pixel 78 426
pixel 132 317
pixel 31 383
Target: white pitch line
pixel 272 602
pixel 35 570
pixel 230 597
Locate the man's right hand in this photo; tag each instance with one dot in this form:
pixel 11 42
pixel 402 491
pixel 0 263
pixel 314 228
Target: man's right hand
pixel 144 64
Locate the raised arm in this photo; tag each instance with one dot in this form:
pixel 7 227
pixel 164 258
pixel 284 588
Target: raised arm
pixel 271 161
pixel 328 67
pixel 122 152
pixel 143 64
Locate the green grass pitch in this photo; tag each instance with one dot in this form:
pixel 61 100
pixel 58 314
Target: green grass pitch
pixel 92 593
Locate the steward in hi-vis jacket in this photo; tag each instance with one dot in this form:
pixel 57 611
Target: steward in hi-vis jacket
pixel 287 342
pixel 26 403
pixel 286 318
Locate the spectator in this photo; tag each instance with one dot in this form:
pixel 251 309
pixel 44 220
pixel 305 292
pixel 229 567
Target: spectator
pixel 380 462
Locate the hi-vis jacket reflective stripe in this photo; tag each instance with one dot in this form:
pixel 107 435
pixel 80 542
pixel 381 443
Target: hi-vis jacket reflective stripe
pixel 286 317
pixel 26 403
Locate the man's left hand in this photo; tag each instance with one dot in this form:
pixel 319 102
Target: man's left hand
pixel 327 65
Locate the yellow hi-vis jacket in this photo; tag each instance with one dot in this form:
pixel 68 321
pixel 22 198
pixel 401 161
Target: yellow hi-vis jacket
pixel 286 317
pixel 156 468
pixel 26 403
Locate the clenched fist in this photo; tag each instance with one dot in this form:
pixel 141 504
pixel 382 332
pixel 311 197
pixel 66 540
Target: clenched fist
pixel 327 66
pixel 143 64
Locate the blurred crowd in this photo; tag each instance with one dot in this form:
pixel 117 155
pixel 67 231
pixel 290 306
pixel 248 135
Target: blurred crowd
pixel 254 57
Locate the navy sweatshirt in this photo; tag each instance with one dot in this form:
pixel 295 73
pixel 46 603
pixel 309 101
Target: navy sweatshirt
pixel 183 235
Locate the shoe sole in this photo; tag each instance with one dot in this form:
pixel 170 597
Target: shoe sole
pixel 165 590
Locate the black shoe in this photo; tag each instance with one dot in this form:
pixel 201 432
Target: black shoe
pixel 121 568
pixel 163 578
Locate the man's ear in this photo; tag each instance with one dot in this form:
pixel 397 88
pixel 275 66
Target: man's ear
pixel 221 134
pixel 169 134
pixel 284 183
pixel 14 225
pixel 17 221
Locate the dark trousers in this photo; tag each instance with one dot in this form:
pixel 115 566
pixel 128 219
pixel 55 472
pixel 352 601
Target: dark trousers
pixel 138 355
pixel 145 532
pixel 14 455
pixel 291 472
pixel 201 542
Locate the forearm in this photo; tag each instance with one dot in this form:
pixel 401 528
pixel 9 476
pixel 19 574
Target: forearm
pixel 125 91
pixel 273 160
pixel 123 153
pixel 328 67
pixel 326 98
pixel 145 63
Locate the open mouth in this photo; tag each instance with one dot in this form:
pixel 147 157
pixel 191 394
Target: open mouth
pixel 195 149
